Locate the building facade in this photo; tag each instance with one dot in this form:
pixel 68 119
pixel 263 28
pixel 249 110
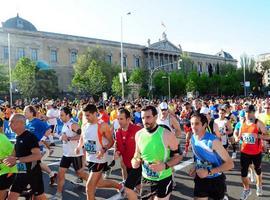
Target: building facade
pixel 260 59
pixel 60 51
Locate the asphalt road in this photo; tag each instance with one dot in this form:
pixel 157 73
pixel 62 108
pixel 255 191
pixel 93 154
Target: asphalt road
pixel 184 183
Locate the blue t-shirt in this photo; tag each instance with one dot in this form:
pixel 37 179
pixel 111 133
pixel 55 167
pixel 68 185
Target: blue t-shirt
pixel 205 157
pixel 137 118
pixel 37 127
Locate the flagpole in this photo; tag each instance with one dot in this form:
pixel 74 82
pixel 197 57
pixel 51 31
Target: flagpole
pixel 9 68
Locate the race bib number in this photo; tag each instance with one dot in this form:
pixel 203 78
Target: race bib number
pixel 21 167
pixel 249 138
pixel 91 147
pixel 224 139
pixel 149 172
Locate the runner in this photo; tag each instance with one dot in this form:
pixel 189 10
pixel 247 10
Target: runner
pixel 167 119
pixel 211 160
pixel 222 127
pixel 40 129
pixel 251 132
pixel 96 139
pixel 27 158
pixel 7 174
pixel 70 136
pixel 156 161
pixel 124 149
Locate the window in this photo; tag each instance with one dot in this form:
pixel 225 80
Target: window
pixel 108 59
pixel 125 61
pixel 34 54
pixel 5 50
pixel 73 57
pixel 20 53
pixel 53 56
pixel 137 62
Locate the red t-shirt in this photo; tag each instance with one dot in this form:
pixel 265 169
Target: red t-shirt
pixel 104 117
pixel 125 143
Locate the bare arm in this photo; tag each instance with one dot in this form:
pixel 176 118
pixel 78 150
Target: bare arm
pixel 216 130
pixel 176 126
pixel 136 160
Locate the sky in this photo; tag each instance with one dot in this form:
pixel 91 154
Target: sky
pixel 204 26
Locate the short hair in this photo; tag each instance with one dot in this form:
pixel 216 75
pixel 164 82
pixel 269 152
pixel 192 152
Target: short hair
pixel 90 108
pixel 152 108
pixel 139 105
pixel 202 117
pixel 124 111
pixel 18 117
pixel 32 109
pixel 66 110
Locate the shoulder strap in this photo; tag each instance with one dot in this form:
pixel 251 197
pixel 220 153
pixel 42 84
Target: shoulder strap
pixel 99 134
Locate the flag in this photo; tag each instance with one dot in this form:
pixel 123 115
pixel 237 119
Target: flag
pixel 162 24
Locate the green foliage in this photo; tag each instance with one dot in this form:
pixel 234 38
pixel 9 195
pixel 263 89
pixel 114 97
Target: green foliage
pixel 46 83
pixel 4 79
pixel 190 86
pixel 92 81
pixel 24 75
pixel 137 76
pixel 265 66
pixel 116 86
pixel 186 64
pixel 96 54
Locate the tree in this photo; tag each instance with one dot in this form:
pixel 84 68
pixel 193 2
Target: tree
pixel 4 79
pixel 264 67
pixel 46 83
pixel 24 75
pixel 186 64
pixel 98 55
pixel 116 86
pixel 92 81
pixel 190 86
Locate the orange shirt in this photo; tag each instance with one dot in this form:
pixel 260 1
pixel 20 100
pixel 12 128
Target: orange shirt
pixel 251 145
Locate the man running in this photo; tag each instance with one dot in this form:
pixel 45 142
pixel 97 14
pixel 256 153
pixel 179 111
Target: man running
pixel 154 145
pixel 27 158
pixel 211 160
pixel 96 139
pixel 70 136
pixel 125 148
pixel 251 133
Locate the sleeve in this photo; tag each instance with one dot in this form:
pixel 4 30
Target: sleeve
pixel 32 141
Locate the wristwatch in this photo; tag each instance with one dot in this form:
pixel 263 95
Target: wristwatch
pixel 17 160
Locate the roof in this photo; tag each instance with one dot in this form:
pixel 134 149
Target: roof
pixel 19 23
pixel 224 54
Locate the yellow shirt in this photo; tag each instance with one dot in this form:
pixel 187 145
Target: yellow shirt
pixel 265 118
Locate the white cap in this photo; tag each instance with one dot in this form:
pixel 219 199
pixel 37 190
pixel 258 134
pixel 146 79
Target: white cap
pixel 204 110
pixel 163 105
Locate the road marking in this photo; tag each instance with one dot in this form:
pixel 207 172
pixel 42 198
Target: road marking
pixel 54 163
pixel 116 197
pixel 183 164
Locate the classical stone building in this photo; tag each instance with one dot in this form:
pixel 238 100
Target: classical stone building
pixel 60 51
pixel 260 59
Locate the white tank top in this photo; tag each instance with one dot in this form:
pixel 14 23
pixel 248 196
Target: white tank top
pixel 166 122
pixel 92 144
pixel 69 147
pixel 222 129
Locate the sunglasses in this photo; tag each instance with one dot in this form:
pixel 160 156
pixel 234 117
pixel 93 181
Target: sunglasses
pixel 164 110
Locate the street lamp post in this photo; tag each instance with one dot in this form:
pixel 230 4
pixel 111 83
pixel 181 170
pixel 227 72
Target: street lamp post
pixel 122 61
pixel 9 68
pixel 169 84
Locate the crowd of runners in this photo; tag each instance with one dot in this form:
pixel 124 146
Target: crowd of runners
pixel 145 139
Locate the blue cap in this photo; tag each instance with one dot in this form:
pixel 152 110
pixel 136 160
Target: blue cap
pixel 242 113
